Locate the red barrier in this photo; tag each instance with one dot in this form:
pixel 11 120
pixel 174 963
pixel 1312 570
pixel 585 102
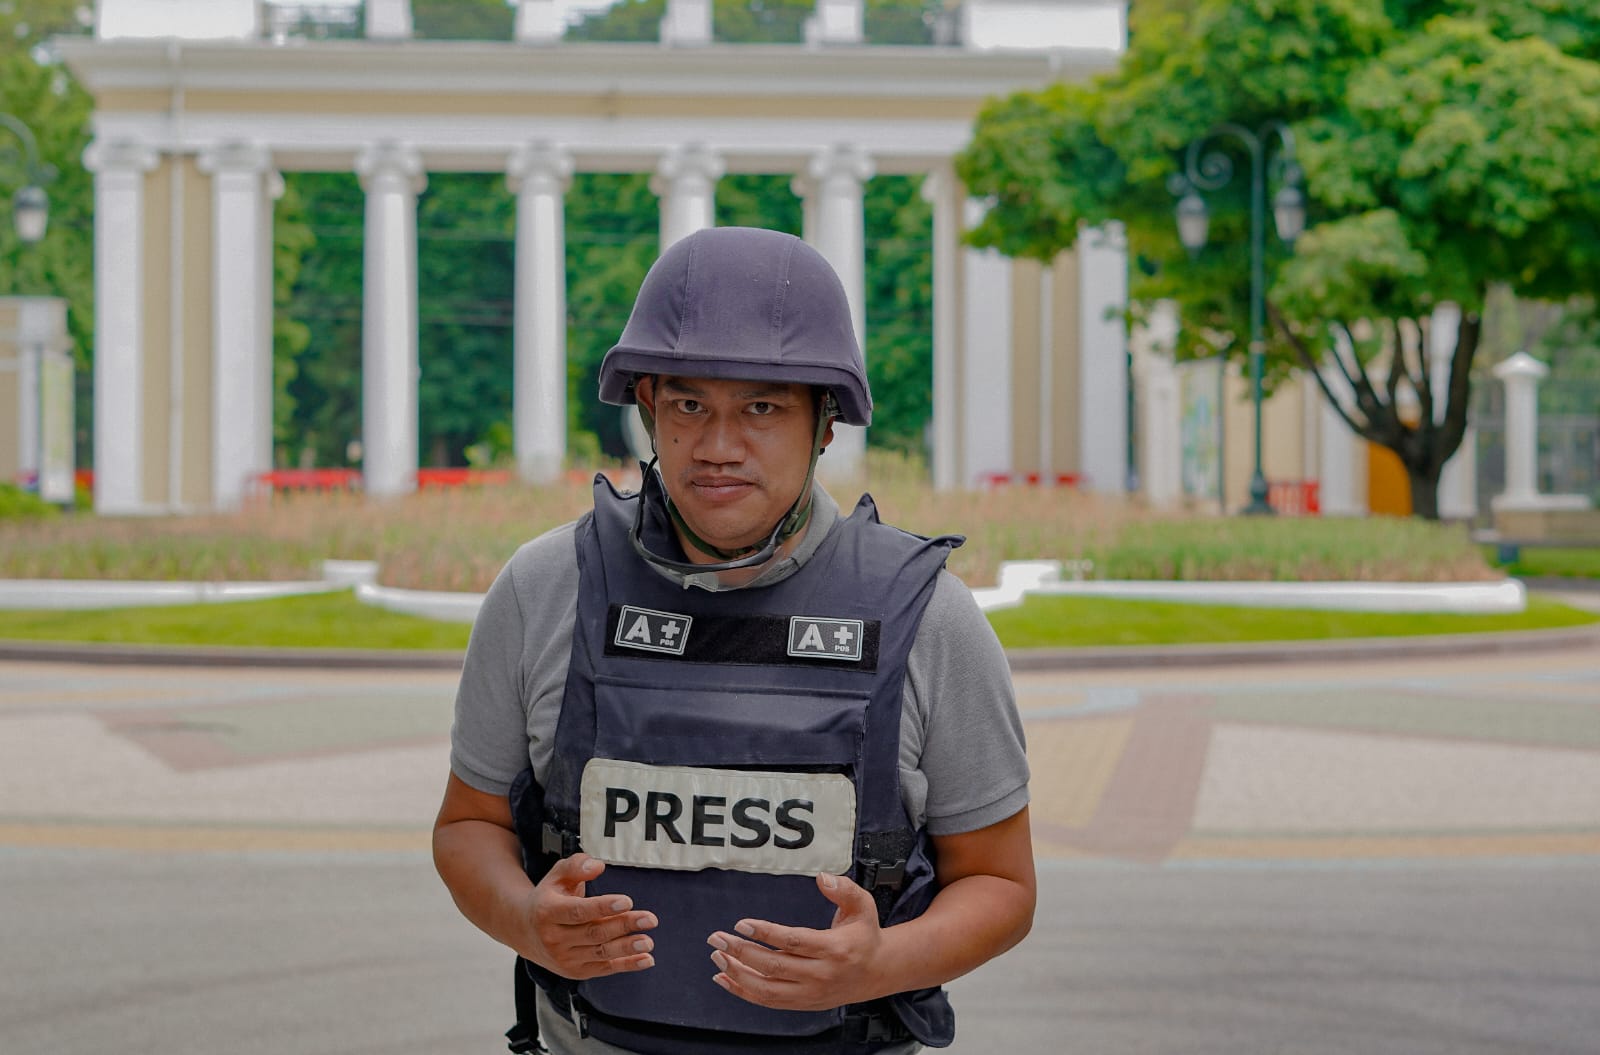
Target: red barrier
pixel 278 481
pixel 989 481
pixel 427 478
pixel 1295 498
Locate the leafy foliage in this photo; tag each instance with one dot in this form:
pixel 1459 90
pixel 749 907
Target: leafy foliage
pixel 1447 146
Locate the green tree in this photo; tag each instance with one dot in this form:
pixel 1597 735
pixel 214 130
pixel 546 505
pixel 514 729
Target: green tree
pixel 462 19
pixel 37 90
pixel 1448 146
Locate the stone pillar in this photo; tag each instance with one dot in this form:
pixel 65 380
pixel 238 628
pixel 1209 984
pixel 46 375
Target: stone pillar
pixel 835 22
pixel 837 175
pixel 241 355
pixel 1521 375
pixel 538 175
pixel 1160 407
pixel 688 22
pixel 539 22
pixel 1458 484
pixel 1103 362
pixel 392 175
pixel 986 334
pixel 943 191
pixel 686 183
pixel 389 19
pixel 119 169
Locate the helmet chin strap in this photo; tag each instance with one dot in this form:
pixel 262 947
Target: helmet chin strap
pixel 789 525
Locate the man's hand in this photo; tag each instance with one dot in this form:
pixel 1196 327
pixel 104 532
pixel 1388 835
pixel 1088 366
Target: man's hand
pixel 800 969
pixel 585 937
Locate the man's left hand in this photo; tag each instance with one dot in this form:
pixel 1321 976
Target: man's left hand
pixel 801 969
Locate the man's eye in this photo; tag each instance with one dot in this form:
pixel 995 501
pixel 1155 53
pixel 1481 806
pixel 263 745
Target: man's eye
pixel 688 406
pixel 762 408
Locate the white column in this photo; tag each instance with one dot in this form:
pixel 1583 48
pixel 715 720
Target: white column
pixel 1160 406
pixel 1341 467
pixel 241 353
pixel 1458 484
pixel 119 169
pixel 389 19
pixel 1521 375
pixel 805 188
pixel 1102 362
pixel 538 175
pixel 686 183
pixel 835 22
pixel 943 192
pixel 986 328
pixel 837 176
pixel 687 22
pixel 539 22
pixel 393 177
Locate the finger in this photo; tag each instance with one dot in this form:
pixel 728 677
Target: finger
pixel 801 941
pixel 570 873
pixel 747 983
pixel 772 963
pixel 610 928
pixel 852 899
pixel 613 965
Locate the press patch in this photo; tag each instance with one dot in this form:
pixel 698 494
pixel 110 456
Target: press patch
pixel 690 818
pixel 829 638
pixel 652 631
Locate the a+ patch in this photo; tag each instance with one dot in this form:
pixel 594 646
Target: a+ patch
pixel 652 631
pixel 832 638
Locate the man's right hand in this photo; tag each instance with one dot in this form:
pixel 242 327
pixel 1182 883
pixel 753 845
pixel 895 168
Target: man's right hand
pixel 585 937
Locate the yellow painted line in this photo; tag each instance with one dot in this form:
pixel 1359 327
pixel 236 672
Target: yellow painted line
pixel 190 839
pixel 1072 763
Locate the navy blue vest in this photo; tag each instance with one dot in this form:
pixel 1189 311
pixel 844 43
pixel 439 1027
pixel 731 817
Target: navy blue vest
pixel 804 676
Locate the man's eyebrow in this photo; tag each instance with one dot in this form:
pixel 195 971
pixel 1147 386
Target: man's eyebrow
pixel 760 390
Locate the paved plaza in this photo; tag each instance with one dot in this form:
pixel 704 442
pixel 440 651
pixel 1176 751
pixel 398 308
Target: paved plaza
pixel 1343 857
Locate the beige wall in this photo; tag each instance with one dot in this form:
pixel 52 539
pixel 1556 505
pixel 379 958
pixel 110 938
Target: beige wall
pixel 1066 345
pixel 1026 338
pixel 10 394
pixel 155 348
pixel 1284 456
pixel 198 280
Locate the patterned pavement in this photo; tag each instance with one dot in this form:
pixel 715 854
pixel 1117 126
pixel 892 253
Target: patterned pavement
pixel 1492 756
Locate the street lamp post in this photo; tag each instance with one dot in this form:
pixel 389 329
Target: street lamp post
pixel 30 206
pixel 1212 169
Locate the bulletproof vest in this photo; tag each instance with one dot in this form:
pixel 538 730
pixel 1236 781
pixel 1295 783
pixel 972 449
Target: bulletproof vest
pixel 718 750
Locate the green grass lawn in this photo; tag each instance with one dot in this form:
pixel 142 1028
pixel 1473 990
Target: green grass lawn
pixel 1551 562
pixel 1064 622
pixel 320 620
pixel 338 620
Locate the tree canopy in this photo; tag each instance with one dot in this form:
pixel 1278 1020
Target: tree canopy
pixel 1448 147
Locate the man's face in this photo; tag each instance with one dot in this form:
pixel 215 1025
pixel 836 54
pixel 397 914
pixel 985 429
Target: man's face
pixel 734 454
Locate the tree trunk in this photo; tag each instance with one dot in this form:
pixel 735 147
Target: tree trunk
pixel 1424 493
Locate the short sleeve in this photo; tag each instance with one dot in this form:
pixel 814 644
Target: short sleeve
pixel 962 736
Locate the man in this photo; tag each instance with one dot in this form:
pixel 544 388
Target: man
pixel 731 772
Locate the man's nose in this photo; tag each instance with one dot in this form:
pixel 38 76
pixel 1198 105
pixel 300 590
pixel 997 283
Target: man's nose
pixel 721 440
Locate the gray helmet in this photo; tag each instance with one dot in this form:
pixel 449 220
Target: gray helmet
pixel 746 303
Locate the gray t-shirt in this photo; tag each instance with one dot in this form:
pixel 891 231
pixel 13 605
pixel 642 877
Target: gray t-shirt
pixel 962 761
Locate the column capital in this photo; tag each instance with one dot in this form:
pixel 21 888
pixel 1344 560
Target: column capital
pixel 235 157
pixel 390 161
pixel 939 181
pixel 692 161
pixel 540 167
pixel 841 163
pixel 1521 365
pixel 119 155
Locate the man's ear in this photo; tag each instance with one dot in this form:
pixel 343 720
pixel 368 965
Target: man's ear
pixel 644 390
pixel 827 436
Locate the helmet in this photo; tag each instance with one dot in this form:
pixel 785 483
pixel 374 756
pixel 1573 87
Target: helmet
pixel 745 303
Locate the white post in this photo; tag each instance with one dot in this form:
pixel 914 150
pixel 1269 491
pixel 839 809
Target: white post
pixel 1521 374
pixel 538 175
pixel 241 355
pixel 687 22
pixel 943 192
pixel 539 22
pixel 119 169
pixel 393 177
pixel 986 333
pixel 1458 484
pixel 389 19
pixel 686 183
pixel 835 22
pixel 837 176
pixel 1103 351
